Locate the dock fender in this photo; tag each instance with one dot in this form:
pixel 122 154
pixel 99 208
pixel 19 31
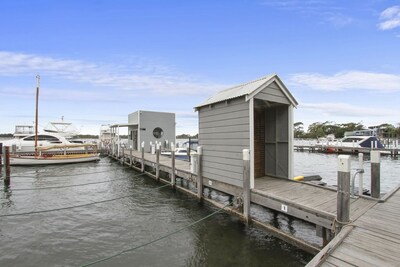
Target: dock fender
pixel 298 178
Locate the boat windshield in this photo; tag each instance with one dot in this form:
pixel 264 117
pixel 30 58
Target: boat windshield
pixel 352 139
pixel 43 137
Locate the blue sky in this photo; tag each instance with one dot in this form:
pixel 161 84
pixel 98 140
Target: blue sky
pixel 101 60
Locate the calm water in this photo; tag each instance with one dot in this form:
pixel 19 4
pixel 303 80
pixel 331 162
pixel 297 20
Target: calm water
pixel 77 236
pixel 306 163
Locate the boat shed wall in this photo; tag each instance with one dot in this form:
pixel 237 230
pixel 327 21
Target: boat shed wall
pixel 224 131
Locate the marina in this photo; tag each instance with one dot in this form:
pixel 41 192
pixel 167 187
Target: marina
pixel 243 164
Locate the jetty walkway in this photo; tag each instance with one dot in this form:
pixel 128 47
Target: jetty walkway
pixel 373 239
pixel 309 202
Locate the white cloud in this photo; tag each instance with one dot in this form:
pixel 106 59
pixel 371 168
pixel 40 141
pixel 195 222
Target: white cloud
pixel 345 110
pixel 153 79
pixel 390 18
pixel 350 80
pixel 339 20
pixel 327 12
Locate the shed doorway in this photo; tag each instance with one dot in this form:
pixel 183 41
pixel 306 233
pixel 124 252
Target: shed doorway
pixel 271 139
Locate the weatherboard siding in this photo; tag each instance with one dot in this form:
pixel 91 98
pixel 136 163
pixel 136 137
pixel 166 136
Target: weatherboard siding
pixel 223 134
pixel 273 93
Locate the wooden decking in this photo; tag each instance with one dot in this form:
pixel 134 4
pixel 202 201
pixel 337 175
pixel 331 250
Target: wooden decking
pixel 309 202
pixel 371 240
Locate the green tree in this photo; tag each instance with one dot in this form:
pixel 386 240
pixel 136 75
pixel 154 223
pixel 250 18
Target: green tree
pixel 299 130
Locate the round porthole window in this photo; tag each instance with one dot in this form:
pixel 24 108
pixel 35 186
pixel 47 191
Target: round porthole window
pixel 158 132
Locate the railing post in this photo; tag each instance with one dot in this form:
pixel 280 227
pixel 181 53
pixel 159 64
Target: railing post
pixel 130 156
pixel 246 185
pixel 343 193
pixel 173 165
pixel 375 174
pixel 158 150
pixel 142 149
pixel 199 174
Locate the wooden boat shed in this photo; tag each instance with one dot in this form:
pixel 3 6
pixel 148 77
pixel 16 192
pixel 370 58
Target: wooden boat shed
pixel 256 115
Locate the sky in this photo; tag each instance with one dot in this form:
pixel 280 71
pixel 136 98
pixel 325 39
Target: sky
pixel 101 60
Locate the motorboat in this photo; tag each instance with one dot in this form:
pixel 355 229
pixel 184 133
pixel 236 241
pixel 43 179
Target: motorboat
pixel 358 142
pixel 27 144
pixel 180 153
pixel 62 128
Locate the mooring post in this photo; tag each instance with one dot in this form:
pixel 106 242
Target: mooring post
pixel 361 173
pixel 343 193
pixel 375 174
pixel 1 156
pixel 7 166
pixel 199 174
pixel 158 151
pixel 173 165
pixel 130 156
pixel 142 150
pixel 123 155
pixel 246 185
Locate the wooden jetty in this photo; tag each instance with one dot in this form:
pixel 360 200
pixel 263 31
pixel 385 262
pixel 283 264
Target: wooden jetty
pixel 372 239
pixel 318 148
pixel 306 201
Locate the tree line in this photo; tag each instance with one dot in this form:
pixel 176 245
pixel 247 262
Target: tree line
pixel 322 129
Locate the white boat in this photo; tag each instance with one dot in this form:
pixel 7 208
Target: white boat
pixel 45 146
pixel 27 144
pixel 181 153
pixel 358 142
pixel 61 128
pixel 23 130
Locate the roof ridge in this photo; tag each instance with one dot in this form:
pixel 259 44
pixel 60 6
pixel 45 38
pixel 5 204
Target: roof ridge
pixel 247 83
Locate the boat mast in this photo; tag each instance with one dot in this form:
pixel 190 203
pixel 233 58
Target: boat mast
pixel 37 112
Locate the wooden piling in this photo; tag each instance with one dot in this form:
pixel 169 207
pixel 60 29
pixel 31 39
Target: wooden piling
pixel 375 174
pixel 173 165
pixel 1 155
pixel 123 155
pixel 142 150
pixel 130 157
pixel 199 174
pixel 246 185
pixel 7 178
pixel 343 193
pixel 158 151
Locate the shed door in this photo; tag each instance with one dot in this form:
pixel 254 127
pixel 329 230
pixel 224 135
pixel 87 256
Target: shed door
pixel 277 140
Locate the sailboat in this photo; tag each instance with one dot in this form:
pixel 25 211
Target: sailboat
pixel 43 157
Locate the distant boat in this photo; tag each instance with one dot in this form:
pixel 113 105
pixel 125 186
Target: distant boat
pixel 358 142
pixel 27 144
pixel 43 155
pixel 62 128
pixel 49 158
pixel 181 153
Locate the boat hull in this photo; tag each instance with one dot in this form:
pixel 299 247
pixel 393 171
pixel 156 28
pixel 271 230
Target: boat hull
pixel 50 160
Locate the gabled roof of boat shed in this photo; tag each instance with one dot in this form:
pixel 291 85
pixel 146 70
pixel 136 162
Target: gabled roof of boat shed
pixel 249 89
